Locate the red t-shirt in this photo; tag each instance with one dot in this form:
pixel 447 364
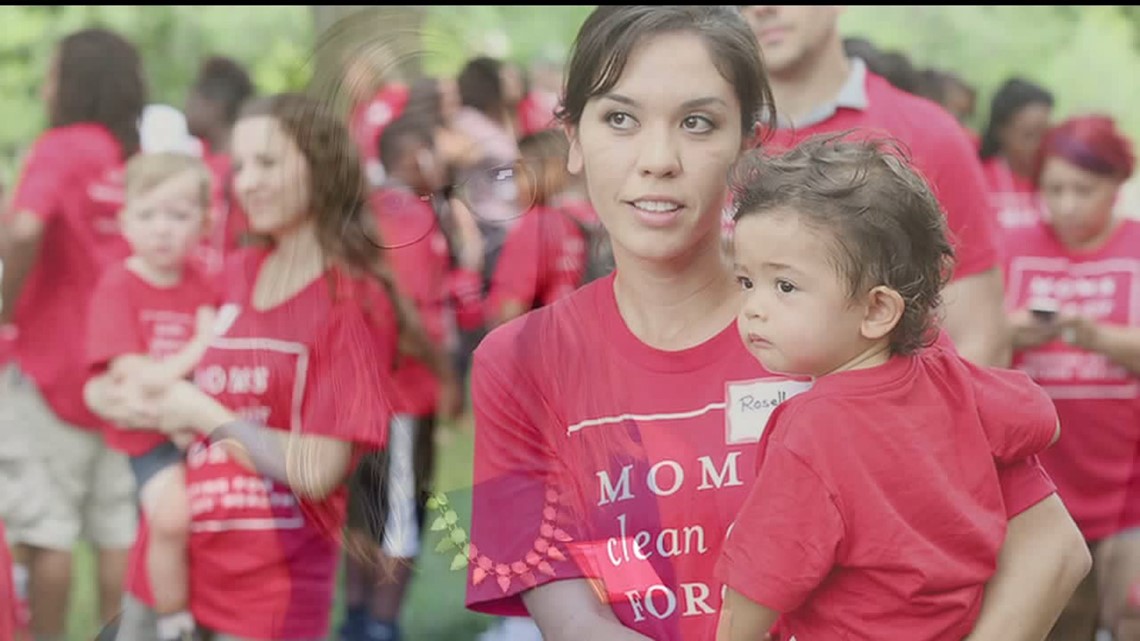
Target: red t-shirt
pixel 369 118
pixel 543 259
pixel 975 139
pixel 597 455
pixel 535 112
pixel 1014 199
pixel 420 262
pixel 128 315
pixel 227 219
pixel 1096 464
pixel 940 151
pixel 263 562
pixel 73 181
pixel 876 511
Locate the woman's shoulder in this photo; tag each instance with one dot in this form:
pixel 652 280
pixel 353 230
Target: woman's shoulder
pixel 547 338
pixel 77 145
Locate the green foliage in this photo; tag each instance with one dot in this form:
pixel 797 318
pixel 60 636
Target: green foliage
pixel 452 34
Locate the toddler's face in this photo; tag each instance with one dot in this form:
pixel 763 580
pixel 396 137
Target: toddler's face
pixel 165 224
pixel 797 316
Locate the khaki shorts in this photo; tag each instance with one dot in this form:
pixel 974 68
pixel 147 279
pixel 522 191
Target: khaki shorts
pixel 59 483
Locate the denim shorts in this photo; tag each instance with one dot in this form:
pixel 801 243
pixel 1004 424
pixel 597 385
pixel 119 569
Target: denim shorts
pixel 155 460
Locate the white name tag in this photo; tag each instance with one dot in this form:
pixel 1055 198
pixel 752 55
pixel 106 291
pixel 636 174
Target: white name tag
pixel 750 404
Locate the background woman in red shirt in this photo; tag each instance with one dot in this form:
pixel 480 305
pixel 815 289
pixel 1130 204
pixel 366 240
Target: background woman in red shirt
pixel 60 231
pixel 295 386
pixel 1072 285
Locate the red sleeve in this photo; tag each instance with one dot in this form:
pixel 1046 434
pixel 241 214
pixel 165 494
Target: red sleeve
pixel 348 391
pixel 1018 416
pixel 514 535
pixel 784 540
pixel 1023 485
pixel 43 178
pixel 519 268
pixel 956 176
pixel 112 323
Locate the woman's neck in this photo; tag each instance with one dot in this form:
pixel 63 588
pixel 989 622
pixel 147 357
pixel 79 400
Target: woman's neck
pixel 295 261
pixel 679 305
pixel 1021 171
pixel 1093 243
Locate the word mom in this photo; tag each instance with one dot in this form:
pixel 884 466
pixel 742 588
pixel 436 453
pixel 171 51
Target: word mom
pixel 667 477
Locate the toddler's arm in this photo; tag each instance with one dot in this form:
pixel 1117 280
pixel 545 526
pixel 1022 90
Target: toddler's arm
pixel 742 619
pixel 155 375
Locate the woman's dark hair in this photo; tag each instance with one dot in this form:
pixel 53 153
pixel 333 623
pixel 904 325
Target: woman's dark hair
pixel 99 79
pixel 481 87
pixel 610 34
pixel 1013 96
pixel 883 222
pixel 896 67
pixel 344 223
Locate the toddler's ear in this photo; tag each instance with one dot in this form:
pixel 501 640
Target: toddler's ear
pixel 885 308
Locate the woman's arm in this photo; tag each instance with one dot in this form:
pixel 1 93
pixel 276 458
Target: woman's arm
pixel 104 398
pixel 312 466
pixel 570 610
pixel 1042 561
pixel 1119 343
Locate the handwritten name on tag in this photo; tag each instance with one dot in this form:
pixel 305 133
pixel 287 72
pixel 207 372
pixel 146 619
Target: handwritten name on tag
pixel 750 404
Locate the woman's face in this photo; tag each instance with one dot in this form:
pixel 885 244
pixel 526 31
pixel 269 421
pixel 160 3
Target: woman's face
pixel 1021 137
pixel 1079 203
pixel 271 176
pixel 657 148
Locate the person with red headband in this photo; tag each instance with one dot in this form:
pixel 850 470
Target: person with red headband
pixel 1071 288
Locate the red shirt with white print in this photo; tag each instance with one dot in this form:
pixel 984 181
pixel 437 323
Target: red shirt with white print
pixel 1013 198
pixel 129 315
pixel 940 151
pixel 72 180
pixel 599 456
pixel 263 561
pixel 542 260
pixel 876 511
pixel 1096 464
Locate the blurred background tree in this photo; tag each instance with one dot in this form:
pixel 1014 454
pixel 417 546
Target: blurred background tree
pixel 1087 55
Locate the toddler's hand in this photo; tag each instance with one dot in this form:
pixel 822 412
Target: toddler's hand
pixel 183 439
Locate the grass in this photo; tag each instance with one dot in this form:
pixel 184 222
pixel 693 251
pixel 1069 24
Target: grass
pixel 434 608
